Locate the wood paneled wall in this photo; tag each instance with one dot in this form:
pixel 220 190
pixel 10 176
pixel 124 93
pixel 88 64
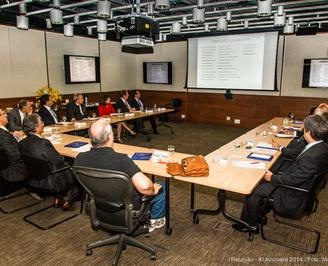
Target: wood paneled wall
pixel 251 110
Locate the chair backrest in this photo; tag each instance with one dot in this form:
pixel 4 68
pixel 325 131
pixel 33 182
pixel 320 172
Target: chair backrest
pixel 37 167
pixel 316 187
pixel 176 102
pixel 111 194
pixel 4 159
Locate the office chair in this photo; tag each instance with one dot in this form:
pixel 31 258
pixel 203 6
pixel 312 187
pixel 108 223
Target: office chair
pixel 7 188
pixel 310 205
pixel 111 206
pixel 175 104
pixel 41 168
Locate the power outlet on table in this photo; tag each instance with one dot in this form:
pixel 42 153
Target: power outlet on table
pixel 237 121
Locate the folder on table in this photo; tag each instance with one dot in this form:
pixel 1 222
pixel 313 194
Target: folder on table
pixel 260 156
pixel 76 144
pixel 142 156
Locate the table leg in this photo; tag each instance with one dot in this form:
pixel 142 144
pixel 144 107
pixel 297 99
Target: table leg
pixel 192 197
pixel 168 229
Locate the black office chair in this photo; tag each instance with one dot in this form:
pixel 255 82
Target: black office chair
pixel 111 206
pixel 41 168
pixel 310 205
pixel 175 104
pixel 7 188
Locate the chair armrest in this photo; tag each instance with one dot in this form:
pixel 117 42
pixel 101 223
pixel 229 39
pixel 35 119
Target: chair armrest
pixel 61 170
pixel 288 187
pixel 145 200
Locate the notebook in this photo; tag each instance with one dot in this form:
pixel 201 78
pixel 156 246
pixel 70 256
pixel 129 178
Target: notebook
pixel 142 156
pixel 76 144
pixel 260 156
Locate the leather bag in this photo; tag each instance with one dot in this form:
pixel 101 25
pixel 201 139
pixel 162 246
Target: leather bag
pixel 190 166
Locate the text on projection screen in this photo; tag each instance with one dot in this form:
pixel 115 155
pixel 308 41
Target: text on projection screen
pixel 82 69
pixel 241 61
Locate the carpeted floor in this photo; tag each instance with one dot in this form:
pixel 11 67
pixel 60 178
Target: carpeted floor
pixel 189 244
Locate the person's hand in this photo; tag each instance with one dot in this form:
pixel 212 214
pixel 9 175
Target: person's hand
pixel 18 135
pixel 267 176
pixel 157 187
pixel 133 109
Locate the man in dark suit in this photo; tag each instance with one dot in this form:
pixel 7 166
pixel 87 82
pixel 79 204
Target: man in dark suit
pixel 13 177
pixel 75 110
pixel 34 145
pixel 122 105
pixel 312 160
pixel 47 114
pixel 16 116
pixel 103 156
pixel 136 103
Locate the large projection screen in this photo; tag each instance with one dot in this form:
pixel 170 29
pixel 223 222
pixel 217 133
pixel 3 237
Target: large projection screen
pixel 240 61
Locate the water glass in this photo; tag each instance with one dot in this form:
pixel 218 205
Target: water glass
pixel 94 115
pixel 64 119
pixel 237 146
pixel 171 149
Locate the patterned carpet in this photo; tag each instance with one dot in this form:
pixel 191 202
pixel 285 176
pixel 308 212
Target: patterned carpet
pixel 189 244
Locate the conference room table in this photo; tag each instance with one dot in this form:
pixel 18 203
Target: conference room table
pixel 146 166
pixel 66 127
pixel 231 170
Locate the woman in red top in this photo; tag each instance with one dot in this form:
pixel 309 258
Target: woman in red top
pixel 106 108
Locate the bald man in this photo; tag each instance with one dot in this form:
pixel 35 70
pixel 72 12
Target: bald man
pixel 103 156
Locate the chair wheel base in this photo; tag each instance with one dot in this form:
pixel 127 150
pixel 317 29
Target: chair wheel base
pixel 153 256
pixel 88 252
pixel 195 220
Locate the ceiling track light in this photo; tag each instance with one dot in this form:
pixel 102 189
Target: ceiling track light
pixel 228 16
pixel 176 28
pixel 102 37
pixel 101 26
pixel 22 22
pixel 264 8
pixel 184 21
pixel 279 18
pixel 198 15
pixel 89 30
pixel 103 9
pixel 206 27
pixel 69 30
pixel 150 9
pixel 56 3
pixel 246 24
pixel 290 26
pixel 48 24
pixel 222 24
pixel 76 19
pixel 200 3
pixel 56 16
pixel 22 8
pixel 164 37
pixel 162 4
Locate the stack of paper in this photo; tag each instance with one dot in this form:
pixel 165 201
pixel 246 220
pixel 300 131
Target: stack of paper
pixel 160 156
pixel 83 148
pixel 249 164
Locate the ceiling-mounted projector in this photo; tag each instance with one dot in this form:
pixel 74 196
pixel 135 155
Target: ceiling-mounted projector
pixel 137 41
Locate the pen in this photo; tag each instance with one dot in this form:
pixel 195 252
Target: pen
pixel 255 162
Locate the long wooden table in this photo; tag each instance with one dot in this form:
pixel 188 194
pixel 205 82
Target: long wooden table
pixel 147 167
pixel 225 175
pixel 65 127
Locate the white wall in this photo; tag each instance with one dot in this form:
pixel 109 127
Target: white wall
pixel 23 67
pixel 23 62
pixel 171 52
pixel 57 46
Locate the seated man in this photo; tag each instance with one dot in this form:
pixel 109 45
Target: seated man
pixel 33 145
pixel 13 177
pixel 47 114
pixel 138 105
pixel 103 156
pixel 122 105
pixel 16 116
pixel 75 110
pixel 312 160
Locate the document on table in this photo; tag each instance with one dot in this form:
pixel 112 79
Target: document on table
pixel 83 148
pixel 265 145
pixel 250 164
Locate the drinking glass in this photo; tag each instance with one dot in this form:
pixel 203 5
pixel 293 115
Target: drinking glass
pixel 171 149
pixel 64 119
pixel 237 146
pixel 56 133
pixel 94 115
